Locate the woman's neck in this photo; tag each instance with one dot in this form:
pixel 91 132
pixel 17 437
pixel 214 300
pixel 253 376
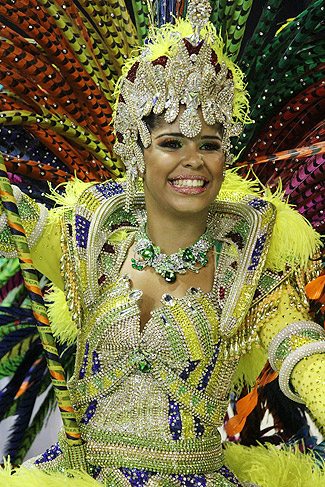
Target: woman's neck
pixel 176 232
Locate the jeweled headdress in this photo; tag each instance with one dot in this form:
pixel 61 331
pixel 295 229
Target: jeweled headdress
pixel 180 64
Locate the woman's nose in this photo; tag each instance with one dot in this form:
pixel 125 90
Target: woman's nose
pixel 192 158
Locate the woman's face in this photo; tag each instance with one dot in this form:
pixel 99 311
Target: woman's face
pixel 183 175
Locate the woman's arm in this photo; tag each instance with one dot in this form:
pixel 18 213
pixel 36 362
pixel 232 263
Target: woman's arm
pixel 294 343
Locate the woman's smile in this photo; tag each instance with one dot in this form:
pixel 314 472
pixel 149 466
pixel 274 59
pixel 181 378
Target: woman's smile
pixel 189 184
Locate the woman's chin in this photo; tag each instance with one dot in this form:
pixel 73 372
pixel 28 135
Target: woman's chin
pixel 190 201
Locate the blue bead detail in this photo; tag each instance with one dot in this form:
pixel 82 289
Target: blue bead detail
pixel 84 362
pixel 50 454
pixel 110 188
pixel 227 474
pixel 198 426
pixel 90 411
pixel 258 204
pixel 188 369
pixel 193 480
pixel 96 364
pixel 174 418
pixel 257 252
pixel 206 377
pixel 94 470
pixel 82 230
pixel 137 478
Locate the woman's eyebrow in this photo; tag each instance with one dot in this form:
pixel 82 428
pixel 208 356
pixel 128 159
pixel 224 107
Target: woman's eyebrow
pixel 211 137
pixel 171 134
pixel 179 135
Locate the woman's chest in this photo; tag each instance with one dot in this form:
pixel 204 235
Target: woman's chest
pixel 154 287
pixel 178 330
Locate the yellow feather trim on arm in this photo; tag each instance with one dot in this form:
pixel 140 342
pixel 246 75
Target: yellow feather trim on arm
pixel 62 326
pixel 249 368
pixel 66 200
pixel 294 241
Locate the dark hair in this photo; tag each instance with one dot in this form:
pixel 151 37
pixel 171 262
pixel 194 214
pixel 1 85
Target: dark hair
pixel 152 121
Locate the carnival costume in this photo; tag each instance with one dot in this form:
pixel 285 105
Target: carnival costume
pixel 147 405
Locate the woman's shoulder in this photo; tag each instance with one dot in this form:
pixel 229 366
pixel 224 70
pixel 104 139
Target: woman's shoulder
pixel 87 206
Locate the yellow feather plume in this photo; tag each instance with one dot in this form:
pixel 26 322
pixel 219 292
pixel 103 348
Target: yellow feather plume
pixel 250 366
pixel 294 240
pixel 270 467
pixel 38 478
pixel 68 198
pixel 62 326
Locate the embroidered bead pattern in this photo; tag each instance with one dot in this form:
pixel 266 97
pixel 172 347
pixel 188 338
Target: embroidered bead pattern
pixel 177 373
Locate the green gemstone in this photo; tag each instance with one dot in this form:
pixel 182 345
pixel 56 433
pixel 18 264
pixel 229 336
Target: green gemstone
pixel 148 254
pixel 188 255
pixel 144 366
pixel 205 261
pixel 170 276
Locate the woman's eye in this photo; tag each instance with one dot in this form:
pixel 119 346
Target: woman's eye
pixel 210 146
pixel 171 143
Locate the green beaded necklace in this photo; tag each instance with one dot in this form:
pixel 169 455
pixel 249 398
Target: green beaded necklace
pixel 193 258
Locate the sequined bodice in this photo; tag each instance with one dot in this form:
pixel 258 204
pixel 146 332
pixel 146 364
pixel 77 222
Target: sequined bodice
pixel 155 399
pixel 143 383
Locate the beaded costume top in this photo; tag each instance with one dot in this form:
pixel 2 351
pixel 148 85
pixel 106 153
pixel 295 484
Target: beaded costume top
pixel 138 392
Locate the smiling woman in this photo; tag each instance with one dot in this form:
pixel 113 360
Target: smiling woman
pixel 183 175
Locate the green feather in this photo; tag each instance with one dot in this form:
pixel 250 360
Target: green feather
pixel 217 14
pixel 236 27
pixel 254 46
pixel 288 37
pixel 141 15
pixel 8 366
pixel 8 268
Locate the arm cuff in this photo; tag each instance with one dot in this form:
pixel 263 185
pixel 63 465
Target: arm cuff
pixel 292 344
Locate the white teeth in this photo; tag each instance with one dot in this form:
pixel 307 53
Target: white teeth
pixel 188 183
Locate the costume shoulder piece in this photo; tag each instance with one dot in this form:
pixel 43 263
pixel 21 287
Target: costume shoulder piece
pixel 244 224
